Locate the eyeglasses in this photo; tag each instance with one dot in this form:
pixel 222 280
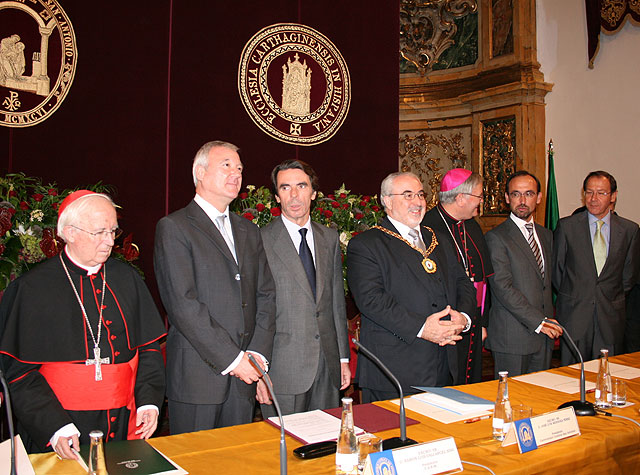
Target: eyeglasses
pixel 600 194
pixel 409 195
pixel 527 194
pixel 113 233
pixel 480 197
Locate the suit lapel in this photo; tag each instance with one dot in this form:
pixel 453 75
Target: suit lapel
pixel 322 256
pixel 616 238
pixel 201 221
pixel 239 237
pixel 583 240
pixel 286 251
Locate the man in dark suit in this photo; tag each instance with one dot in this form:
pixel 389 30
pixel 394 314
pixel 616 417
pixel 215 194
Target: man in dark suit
pixel 414 296
pixel 217 288
pixel 521 298
pixel 310 361
pixel 460 197
pixel 596 263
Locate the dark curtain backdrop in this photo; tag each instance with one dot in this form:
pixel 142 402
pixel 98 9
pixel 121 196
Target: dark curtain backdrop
pixel 155 80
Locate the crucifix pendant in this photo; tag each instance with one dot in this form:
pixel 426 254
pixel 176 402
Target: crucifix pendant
pixel 98 362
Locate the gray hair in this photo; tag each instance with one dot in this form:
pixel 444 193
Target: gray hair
pixel 71 214
pixel 466 187
pixel 387 184
pixel 202 156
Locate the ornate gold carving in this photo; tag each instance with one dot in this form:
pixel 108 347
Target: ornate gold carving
pixel 427 28
pixel 612 10
pixel 498 162
pixel 417 156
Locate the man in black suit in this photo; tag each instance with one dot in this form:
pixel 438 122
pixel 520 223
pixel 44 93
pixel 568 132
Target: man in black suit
pixel 219 294
pixel 596 263
pixel 521 298
pixel 414 296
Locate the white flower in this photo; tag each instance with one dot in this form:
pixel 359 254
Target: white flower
pixel 344 238
pixel 251 187
pixel 37 215
pixel 22 230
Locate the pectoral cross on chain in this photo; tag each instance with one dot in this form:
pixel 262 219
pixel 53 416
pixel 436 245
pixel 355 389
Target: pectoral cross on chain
pixel 98 362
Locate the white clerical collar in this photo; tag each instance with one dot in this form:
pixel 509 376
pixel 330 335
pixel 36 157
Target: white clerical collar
pixel 209 209
pixel 402 228
pixel 90 270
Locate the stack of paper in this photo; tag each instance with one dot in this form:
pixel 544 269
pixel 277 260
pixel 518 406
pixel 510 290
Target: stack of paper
pixel 453 400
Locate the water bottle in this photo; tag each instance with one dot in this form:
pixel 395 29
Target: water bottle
pixel 347 449
pixel 603 383
pixel 502 411
pixel 97 462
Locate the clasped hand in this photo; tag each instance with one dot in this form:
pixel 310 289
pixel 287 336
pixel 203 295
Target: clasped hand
pixel 444 332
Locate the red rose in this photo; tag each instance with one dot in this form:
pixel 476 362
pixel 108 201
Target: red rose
pixel 275 211
pixel 24 205
pixel 11 211
pixel 260 207
pixel 359 216
pixel 129 250
pixel 327 213
pixel 345 205
pixel 354 233
pixel 5 220
pixel 331 197
pixel 343 195
pixel 335 204
pixel 244 196
pixel 375 208
pixel 363 204
pixel 249 216
pixel 52 192
pixel 37 196
pixel 54 206
pixel 366 198
pixel 13 193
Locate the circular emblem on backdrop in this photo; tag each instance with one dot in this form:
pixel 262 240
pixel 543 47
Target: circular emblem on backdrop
pixel 38 56
pixel 294 84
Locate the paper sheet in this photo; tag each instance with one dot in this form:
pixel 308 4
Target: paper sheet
pixel 312 426
pixel 616 370
pixel 437 413
pixel 554 381
pixel 23 465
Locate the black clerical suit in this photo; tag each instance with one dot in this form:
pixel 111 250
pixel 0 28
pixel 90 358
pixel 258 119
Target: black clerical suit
pixel 43 323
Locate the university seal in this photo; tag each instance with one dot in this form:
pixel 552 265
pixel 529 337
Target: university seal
pixel 294 84
pixel 38 56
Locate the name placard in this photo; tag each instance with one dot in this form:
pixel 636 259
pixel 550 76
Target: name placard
pixel 540 430
pixel 429 458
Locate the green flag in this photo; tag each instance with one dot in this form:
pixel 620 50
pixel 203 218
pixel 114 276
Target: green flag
pixel 552 214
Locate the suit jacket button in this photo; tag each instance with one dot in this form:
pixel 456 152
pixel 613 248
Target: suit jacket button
pixel 317 336
pixel 317 314
pixel 237 276
pixel 244 305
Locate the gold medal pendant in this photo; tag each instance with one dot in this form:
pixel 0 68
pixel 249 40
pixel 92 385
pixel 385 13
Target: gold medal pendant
pixel 429 265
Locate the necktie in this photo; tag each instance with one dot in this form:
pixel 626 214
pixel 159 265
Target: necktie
pixel 220 222
pixel 415 236
pixel 535 248
pixel 599 247
pixel 307 260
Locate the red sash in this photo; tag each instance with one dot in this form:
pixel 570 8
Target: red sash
pixel 75 387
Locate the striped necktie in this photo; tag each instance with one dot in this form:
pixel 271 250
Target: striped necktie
pixel 535 248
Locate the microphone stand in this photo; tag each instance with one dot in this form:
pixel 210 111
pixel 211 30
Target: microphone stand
pixel 393 442
pixel 12 435
pixel 581 407
pixel 283 443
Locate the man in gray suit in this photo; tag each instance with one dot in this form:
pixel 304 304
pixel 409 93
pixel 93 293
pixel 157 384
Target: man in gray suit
pixel 310 362
pixel 217 288
pixel 520 340
pixel 597 256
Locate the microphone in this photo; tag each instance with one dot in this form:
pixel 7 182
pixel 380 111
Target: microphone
pixel 581 407
pixel 283 443
pixel 393 442
pixel 12 435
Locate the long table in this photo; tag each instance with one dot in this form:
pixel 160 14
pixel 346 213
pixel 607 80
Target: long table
pixel 606 444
